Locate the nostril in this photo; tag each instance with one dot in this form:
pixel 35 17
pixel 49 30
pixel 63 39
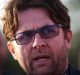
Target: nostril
pixel 37 46
pixel 43 45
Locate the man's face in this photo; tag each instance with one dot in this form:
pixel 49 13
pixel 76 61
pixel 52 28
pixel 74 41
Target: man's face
pixel 40 56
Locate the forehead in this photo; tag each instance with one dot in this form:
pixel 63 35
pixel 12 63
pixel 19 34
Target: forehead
pixel 33 18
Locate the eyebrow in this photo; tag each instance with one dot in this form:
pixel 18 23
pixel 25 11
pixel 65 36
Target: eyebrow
pixel 43 26
pixel 35 29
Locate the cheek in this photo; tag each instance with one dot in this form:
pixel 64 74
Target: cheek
pixel 26 52
pixel 22 50
pixel 22 55
pixel 59 52
pixel 57 47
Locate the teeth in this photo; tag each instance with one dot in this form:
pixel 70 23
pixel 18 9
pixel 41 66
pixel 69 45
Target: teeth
pixel 41 60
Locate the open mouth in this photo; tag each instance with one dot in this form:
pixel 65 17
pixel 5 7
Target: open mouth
pixel 41 61
pixel 41 58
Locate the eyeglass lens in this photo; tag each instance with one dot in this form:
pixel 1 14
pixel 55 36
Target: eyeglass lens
pixel 45 32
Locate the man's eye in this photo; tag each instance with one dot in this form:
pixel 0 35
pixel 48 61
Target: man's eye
pixel 48 31
pixel 29 34
pixel 19 36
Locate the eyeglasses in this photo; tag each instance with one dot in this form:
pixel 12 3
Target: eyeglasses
pixel 45 32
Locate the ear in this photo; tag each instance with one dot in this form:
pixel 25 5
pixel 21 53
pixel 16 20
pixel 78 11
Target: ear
pixel 12 50
pixel 68 39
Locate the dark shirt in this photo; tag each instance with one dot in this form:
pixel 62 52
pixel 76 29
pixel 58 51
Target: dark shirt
pixel 72 71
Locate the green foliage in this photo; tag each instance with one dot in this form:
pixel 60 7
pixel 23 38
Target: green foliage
pixel 74 52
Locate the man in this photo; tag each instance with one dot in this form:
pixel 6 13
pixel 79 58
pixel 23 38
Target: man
pixel 39 36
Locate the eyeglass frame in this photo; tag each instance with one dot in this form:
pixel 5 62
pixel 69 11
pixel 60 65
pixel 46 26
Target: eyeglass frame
pixel 36 31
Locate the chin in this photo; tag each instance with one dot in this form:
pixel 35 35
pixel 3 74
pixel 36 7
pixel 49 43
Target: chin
pixel 43 70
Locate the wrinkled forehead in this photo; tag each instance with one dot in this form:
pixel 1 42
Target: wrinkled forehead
pixel 33 18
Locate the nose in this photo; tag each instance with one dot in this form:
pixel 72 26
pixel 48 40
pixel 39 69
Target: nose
pixel 38 41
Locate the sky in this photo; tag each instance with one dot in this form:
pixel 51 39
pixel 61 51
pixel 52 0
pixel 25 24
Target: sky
pixel 2 5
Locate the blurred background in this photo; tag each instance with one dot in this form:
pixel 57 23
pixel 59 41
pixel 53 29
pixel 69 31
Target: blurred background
pixel 74 12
